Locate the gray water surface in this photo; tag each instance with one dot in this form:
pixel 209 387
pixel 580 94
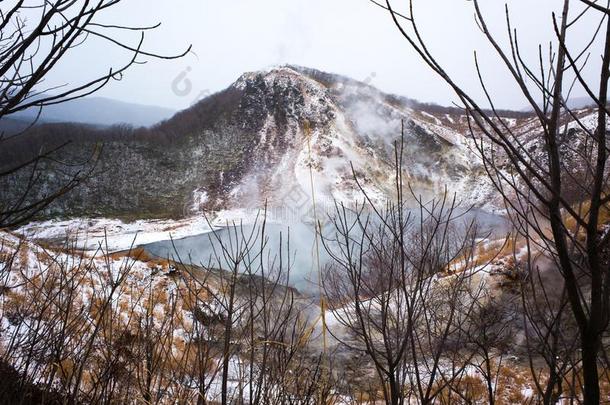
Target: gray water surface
pixel 293 246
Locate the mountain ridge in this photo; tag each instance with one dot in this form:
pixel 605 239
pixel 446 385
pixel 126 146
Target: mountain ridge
pixel 259 141
pixel 98 111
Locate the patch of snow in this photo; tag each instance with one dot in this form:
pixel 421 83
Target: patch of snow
pixel 113 234
pixel 436 120
pixel 200 197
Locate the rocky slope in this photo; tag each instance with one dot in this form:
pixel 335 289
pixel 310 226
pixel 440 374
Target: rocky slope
pixel 269 137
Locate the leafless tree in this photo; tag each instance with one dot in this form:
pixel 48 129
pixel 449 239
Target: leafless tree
pixel 549 329
pixel 488 332
pixel 34 37
pixel 258 329
pixel 561 194
pixel 406 281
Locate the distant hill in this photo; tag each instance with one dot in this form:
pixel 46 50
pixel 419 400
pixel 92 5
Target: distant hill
pixel 11 126
pixel 575 103
pixel 580 102
pixel 99 111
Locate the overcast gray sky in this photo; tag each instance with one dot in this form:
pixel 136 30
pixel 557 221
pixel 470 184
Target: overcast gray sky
pixel 350 37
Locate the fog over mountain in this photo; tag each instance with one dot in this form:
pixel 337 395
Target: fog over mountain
pixel 98 111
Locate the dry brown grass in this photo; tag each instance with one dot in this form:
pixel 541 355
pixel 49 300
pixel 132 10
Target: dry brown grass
pixel 490 253
pixel 140 254
pixel 468 390
pixel 582 211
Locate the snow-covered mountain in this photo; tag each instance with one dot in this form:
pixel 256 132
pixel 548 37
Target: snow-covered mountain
pixel 324 129
pixel 275 136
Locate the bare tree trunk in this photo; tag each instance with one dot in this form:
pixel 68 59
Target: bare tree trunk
pixel 590 353
pixel 226 351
